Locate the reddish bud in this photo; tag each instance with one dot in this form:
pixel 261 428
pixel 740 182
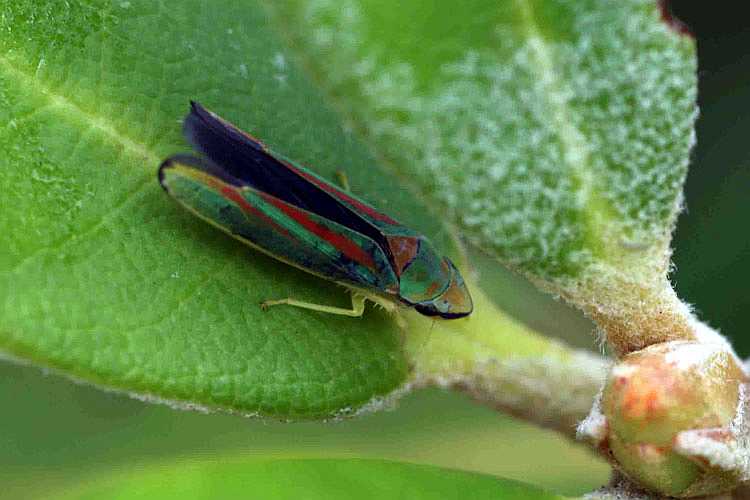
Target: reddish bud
pixel 654 394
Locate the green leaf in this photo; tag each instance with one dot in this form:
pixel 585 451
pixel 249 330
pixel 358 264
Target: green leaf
pixel 555 133
pixel 490 108
pixel 104 277
pixel 306 478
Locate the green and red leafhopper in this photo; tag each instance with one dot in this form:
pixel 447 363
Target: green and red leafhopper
pixel 295 216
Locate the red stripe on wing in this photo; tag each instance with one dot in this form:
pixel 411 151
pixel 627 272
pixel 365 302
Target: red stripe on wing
pixel 342 195
pixel 232 194
pixel 339 241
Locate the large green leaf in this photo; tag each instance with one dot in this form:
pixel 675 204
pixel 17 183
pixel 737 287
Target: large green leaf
pixel 310 479
pixel 556 133
pixel 499 112
pixel 105 277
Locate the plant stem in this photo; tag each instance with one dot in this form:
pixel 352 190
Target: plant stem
pixel 505 364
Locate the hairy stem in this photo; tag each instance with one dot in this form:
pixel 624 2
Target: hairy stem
pixel 507 365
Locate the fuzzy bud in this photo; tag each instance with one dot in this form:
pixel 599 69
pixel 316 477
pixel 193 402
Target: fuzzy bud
pixel 654 394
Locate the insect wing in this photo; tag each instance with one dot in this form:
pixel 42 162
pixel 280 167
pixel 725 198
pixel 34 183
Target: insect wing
pixel 248 159
pixel 280 229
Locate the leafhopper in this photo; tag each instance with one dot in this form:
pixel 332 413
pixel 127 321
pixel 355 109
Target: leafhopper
pixel 286 211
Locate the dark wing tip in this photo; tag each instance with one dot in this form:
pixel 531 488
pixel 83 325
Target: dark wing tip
pixel 160 173
pixel 219 139
pixel 196 120
pixel 198 109
pixel 172 162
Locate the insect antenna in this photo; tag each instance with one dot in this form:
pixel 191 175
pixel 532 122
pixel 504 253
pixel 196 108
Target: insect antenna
pixel 427 337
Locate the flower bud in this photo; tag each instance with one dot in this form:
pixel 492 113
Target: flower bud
pixel 654 394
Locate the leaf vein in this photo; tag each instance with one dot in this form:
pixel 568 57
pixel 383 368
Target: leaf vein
pixel 576 150
pixel 99 123
pixel 96 123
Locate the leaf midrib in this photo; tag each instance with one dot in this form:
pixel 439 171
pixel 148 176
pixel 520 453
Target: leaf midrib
pixel 96 122
pixel 68 108
pixel 597 211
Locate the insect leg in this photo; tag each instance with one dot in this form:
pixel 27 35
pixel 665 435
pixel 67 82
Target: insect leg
pixel 343 180
pixel 358 306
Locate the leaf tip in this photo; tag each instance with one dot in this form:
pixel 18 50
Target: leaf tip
pixel 668 17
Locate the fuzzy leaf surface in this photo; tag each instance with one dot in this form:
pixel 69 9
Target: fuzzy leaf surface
pixel 556 133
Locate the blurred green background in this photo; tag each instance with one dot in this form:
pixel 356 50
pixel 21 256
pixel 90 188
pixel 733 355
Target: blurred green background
pixel 712 243
pixel 54 433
